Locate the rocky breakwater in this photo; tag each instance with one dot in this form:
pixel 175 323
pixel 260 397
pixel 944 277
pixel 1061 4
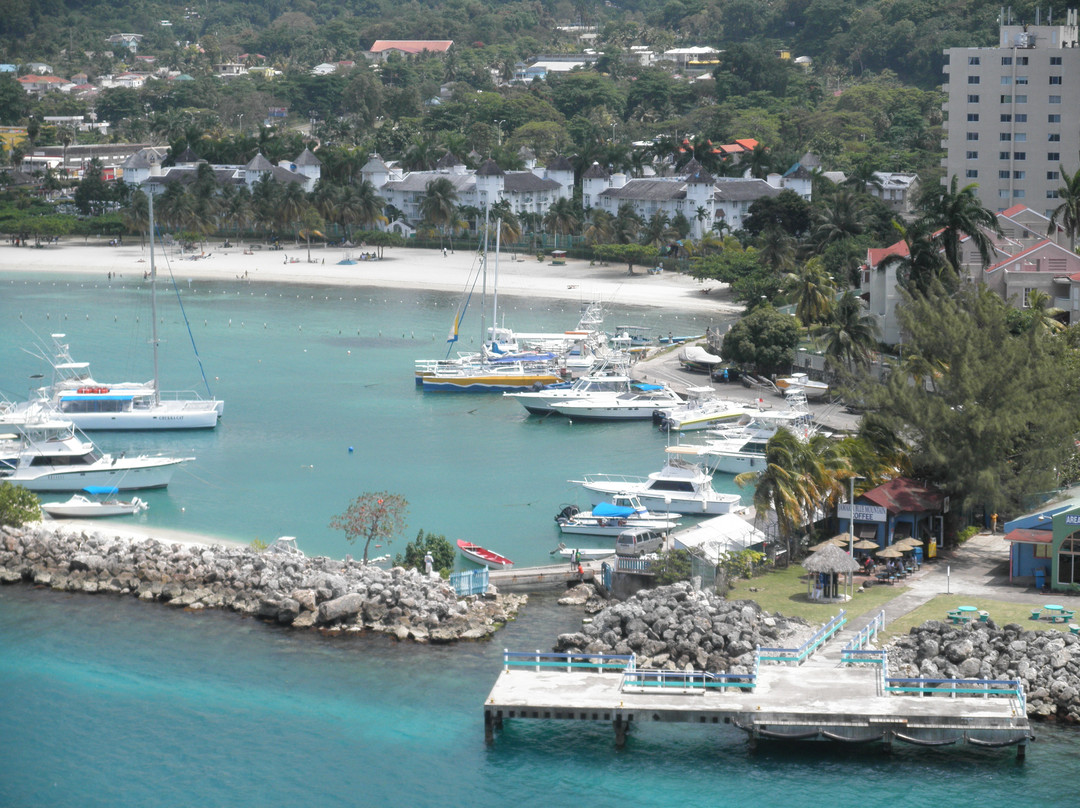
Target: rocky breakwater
pixel 1046 662
pixel 677 628
pixel 292 590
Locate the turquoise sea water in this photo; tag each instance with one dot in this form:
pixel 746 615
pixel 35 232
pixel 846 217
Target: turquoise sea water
pixel 109 701
pixel 308 372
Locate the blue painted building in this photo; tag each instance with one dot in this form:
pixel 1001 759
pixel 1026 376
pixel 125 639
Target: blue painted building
pixel 1045 544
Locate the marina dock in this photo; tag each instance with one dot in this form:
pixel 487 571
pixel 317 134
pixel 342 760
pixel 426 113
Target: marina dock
pixel 824 692
pixel 525 579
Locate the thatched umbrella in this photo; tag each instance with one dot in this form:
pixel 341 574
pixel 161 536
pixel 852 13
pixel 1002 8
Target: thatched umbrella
pixel 866 544
pixel 911 542
pixel 890 552
pixel 830 560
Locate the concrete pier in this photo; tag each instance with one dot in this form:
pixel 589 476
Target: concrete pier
pixel 809 702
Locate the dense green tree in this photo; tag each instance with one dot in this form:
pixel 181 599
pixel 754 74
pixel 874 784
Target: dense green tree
pixel 14 102
pixel 17 505
pixel 786 210
pixel 630 254
pixel 999 420
pixel 442 553
pixel 763 339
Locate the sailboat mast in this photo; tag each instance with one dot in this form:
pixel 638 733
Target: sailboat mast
pixel 153 300
pixel 483 295
pixel 495 285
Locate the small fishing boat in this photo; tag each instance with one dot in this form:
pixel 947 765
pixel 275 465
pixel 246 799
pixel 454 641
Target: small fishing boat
pixel 81 507
pixel 584 553
pixel 638 404
pixel 488 558
pixel 612 518
pixel 801 382
pixel 696 359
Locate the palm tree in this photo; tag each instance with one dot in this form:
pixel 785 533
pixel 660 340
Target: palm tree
pixel 601 229
pixel 812 290
pixel 369 205
pixel 561 217
pixel 509 226
pixel 294 203
pixel 238 210
pixel 839 219
pixel 627 224
pixel 1043 314
pixel 781 485
pixel 920 263
pixel 657 229
pixel 852 333
pixel 137 215
pixel 1067 214
pixel 437 207
pixel 959 213
pixel 776 248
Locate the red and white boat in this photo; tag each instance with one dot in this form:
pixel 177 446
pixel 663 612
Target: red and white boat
pixel 474 552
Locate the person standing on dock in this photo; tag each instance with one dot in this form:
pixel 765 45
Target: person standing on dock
pixel 429 563
pixel 575 560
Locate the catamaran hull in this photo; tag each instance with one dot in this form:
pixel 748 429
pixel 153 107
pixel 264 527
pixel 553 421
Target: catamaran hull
pixel 97 421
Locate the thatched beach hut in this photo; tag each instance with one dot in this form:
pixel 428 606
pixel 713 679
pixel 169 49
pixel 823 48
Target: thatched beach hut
pixel 825 566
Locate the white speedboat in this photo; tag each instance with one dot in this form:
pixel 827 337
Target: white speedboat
pixel 696 359
pixel 584 553
pixel 686 487
pixel 638 404
pixel 543 401
pixel 49 456
pixel 801 382
pixel 703 409
pixel 82 507
pixel 612 518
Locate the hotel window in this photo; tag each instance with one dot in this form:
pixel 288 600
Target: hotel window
pixel 1006 99
pixel 1006 81
pixel 973 117
pixel 1053 175
pixel 973 79
pixel 1055 99
pixel 1004 136
pixel 972 135
pixel 1055 61
pixel 1019 175
pixel 1003 155
pixel 1021 79
pixel 973 60
pixel 972 173
pixel 972 155
pixel 1022 61
pixel 1021 117
pixel 1055 79
pixel 1052 118
pixel 1051 194
pixel 1003 193
pixel 1003 174
pixel 1020 137
pixel 1021 99
pixel 1006 117
pixel 1053 137
pixel 1053 156
pixel 1006 60
pixel 973 99
pixel 1020 155
pixel 1018 194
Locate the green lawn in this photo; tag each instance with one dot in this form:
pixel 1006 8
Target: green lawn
pixel 784 591
pixel 1001 612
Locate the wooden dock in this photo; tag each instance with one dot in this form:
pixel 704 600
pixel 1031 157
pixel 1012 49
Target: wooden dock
pixel 825 698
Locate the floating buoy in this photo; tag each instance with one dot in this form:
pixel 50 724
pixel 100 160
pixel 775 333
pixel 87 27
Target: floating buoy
pixel 350 450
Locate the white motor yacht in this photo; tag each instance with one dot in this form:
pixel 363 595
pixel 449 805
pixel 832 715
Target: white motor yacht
pixel 639 403
pixel 703 409
pixel 50 456
pixel 686 487
pixel 612 518
pixel 602 383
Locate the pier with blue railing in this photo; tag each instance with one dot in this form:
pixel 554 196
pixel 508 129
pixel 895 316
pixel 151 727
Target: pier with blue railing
pixel 831 688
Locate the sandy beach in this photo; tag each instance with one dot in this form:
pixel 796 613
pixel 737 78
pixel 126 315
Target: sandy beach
pixel 401 267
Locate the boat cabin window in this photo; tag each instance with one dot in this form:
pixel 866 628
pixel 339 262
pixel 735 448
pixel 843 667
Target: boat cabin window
pixel 65 460
pixel 92 405
pixel 672 485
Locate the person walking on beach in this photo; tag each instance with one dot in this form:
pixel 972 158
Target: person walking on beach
pixel 444 252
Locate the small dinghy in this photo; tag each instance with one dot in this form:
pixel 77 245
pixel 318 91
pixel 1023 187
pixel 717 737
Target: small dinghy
pixel 489 558
pixel 81 507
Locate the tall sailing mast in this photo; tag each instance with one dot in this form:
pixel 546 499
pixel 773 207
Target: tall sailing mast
pixel 153 301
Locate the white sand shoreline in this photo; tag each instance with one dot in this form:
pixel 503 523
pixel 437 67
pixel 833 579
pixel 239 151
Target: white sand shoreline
pixel 401 267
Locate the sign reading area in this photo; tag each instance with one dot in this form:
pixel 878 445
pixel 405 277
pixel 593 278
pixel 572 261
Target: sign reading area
pixel 863 513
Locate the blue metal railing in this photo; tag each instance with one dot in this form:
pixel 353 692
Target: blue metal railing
pixel 549 660
pixel 856 653
pixel 799 655
pixel 701 681
pixel 638 565
pixel 985 688
pixel 470 582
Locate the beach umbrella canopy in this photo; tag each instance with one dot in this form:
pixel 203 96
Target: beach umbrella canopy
pixel 836 541
pixel 866 544
pixel 841 539
pixel 830 558
pixel 889 552
pixel 911 542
